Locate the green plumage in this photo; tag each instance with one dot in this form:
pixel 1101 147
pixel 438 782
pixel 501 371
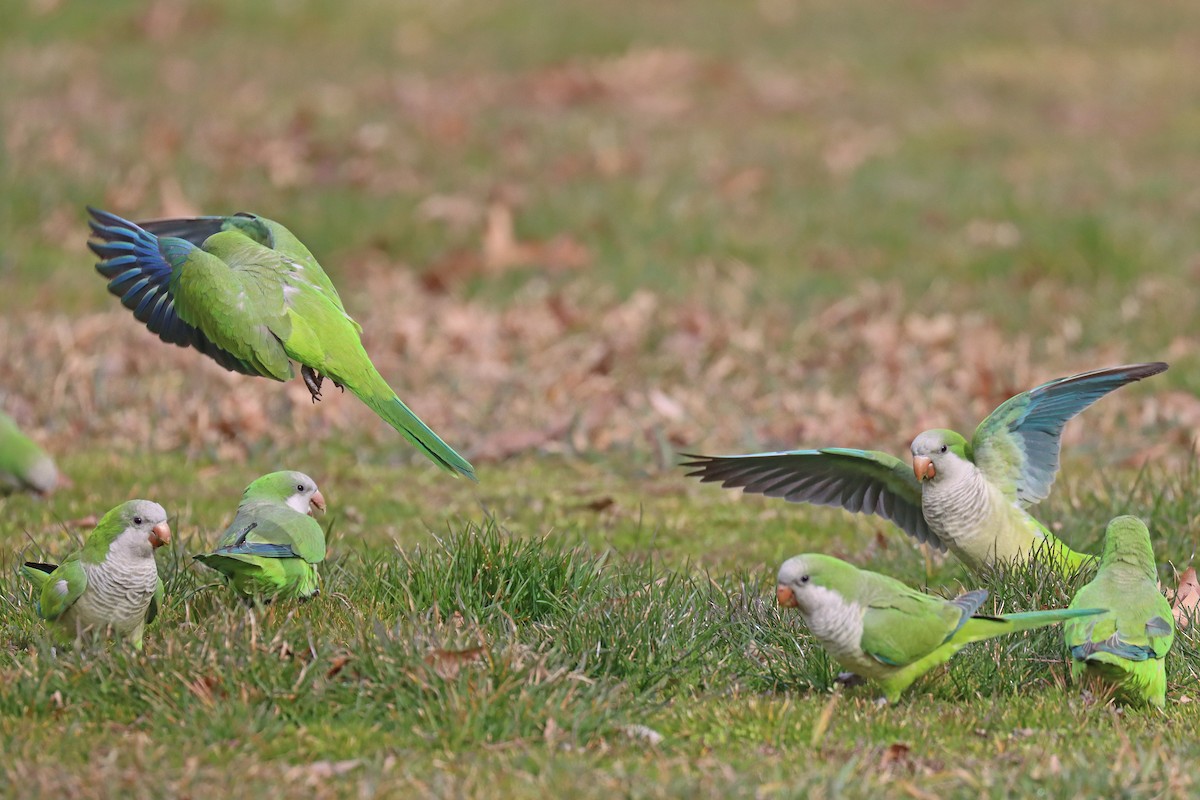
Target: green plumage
pixel 246 292
pixel 112 584
pixel 272 548
pixel 24 467
pixel 883 630
pixel 968 497
pixel 1127 646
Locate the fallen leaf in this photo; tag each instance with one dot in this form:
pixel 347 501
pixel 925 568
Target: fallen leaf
pixel 896 753
pixel 1187 597
pixel 82 522
pixel 448 663
pixel 336 665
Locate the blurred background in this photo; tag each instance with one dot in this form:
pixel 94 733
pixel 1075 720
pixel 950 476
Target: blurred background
pixel 597 233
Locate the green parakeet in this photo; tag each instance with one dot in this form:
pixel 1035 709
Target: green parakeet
pixel 1127 646
pixel 244 291
pixel 965 497
pixel 24 467
pixel 272 547
pixel 112 584
pixel 882 630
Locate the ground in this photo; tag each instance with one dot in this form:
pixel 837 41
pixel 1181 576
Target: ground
pixel 582 238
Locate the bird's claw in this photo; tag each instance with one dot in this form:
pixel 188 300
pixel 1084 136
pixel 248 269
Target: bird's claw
pixel 313 380
pixel 849 679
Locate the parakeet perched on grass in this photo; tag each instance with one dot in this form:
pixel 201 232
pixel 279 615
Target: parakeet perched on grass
pixel 882 630
pixel 272 547
pixel 24 467
pixel 968 497
pixel 244 291
pixel 112 584
pixel 1128 645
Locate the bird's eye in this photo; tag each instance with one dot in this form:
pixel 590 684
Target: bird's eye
pixel 804 579
pixel 137 520
pixel 943 448
pixel 300 487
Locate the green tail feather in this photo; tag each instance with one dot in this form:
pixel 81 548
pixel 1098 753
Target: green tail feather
pixel 979 628
pixel 380 398
pixel 974 630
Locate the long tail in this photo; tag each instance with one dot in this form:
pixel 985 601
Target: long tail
pixel 37 573
pixel 974 630
pixel 977 629
pixel 380 398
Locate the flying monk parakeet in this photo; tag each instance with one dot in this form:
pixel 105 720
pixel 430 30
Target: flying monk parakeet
pixel 1127 646
pixel 24 467
pixel 244 291
pixel 968 497
pixel 112 584
pixel 882 630
pixel 272 547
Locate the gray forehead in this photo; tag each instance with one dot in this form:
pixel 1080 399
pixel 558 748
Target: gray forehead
pixel 929 440
pixel 299 478
pixel 150 511
pixel 791 569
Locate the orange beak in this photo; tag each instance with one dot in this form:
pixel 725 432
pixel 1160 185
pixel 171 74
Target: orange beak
pixel 318 500
pixel 786 597
pixel 923 468
pixel 160 534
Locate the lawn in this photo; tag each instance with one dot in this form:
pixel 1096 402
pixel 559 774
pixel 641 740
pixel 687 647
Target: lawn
pixel 582 238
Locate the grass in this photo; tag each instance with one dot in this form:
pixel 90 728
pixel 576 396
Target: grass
pixel 733 226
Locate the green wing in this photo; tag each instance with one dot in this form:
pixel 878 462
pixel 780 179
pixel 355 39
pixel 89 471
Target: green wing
pixel 1138 626
pixel 189 296
pixel 265 232
pixel 61 588
pixel 1017 446
pixel 155 602
pixel 901 627
pixel 273 530
pixel 865 481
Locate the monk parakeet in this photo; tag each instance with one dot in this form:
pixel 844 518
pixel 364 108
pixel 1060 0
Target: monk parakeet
pixel 272 547
pixel 244 291
pixel 966 497
pixel 882 630
pixel 112 584
pixel 24 467
pixel 1128 645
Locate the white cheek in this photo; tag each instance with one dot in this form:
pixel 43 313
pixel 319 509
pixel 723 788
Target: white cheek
pixel 298 502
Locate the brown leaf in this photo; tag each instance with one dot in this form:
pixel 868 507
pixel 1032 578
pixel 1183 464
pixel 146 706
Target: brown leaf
pixel 896 753
pixel 337 664
pixel 82 522
pixel 448 663
pixel 1187 597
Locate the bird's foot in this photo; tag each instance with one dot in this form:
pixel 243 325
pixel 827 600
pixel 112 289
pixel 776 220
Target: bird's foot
pixel 849 679
pixel 881 702
pixel 339 386
pixel 313 380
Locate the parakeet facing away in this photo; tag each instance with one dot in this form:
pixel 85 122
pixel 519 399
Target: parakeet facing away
pixel 272 547
pixel 24 467
pixel 112 584
pixel 966 497
pixel 880 629
pixel 244 291
pixel 1127 646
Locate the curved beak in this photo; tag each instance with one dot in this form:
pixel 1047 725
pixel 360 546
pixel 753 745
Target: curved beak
pixel 318 500
pixel 160 534
pixel 923 468
pixel 786 597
